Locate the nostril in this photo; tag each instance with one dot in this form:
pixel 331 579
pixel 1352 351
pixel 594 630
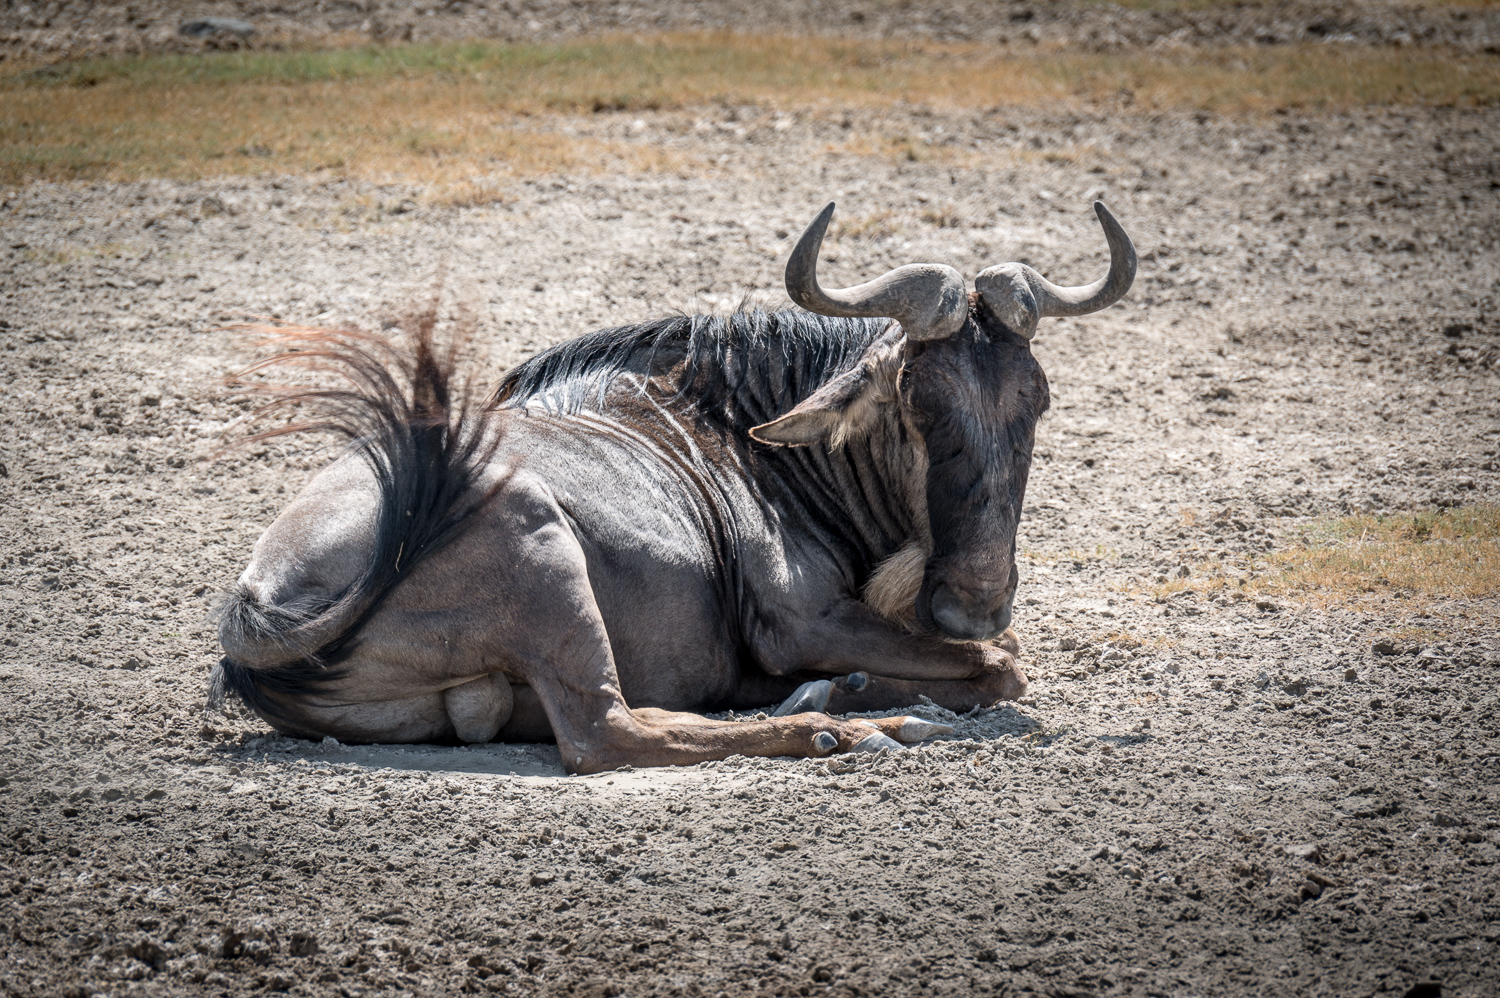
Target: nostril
pixel 962 616
pixel 957 619
pixel 945 609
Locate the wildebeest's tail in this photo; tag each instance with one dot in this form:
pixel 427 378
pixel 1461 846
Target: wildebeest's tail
pixel 425 435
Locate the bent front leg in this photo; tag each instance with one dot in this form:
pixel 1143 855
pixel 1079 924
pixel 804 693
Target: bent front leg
pixel 596 729
pixel 850 637
pixel 556 640
pixel 864 692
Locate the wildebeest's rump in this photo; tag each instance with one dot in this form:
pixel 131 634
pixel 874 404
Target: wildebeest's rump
pixel 691 514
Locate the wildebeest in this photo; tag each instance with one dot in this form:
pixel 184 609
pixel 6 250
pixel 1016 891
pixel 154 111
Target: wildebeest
pixel 690 514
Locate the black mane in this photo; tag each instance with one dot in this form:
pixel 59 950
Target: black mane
pixel 697 361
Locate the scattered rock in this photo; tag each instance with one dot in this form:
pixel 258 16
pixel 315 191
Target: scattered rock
pixel 1367 805
pixel 204 27
pixel 1306 850
pixel 255 941
pixel 542 878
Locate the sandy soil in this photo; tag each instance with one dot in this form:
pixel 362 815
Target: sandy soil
pixel 1201 798
pixel 72 28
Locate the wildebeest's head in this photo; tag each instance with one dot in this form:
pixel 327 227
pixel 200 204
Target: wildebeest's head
pixel 960 372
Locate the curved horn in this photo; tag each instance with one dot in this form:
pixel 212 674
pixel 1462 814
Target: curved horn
pixel 1053 300
pixel 928 299
pixel 1018 296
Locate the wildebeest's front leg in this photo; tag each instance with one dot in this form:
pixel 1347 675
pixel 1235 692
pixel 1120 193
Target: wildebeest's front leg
pixel 554 636
pixel 850 637
pixel 596 730
pixel 868 693
pixel 1002 679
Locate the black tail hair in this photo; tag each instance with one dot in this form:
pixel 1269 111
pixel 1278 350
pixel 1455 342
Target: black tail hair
pixel 428 439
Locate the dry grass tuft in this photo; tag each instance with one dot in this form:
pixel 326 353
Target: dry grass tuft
pixel 108 251
pixel 1129 639
pixel 1203 5
pixel 452 115
pixel 875 225
pixel 1411 636
pixel 1450 554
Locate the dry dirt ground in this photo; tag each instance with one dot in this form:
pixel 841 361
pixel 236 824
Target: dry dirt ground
pixel 1201 797
pixel 52 29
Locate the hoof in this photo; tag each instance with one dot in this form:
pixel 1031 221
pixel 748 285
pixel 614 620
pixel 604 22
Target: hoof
pixel 824 742
pixel 808 697
pixel 876 742
pixel 915 729
pixel 856 681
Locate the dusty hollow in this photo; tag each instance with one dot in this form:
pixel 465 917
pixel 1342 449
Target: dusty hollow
pixel 1210 791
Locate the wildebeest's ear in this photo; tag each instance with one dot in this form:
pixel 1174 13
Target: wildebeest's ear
pixel 843 407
